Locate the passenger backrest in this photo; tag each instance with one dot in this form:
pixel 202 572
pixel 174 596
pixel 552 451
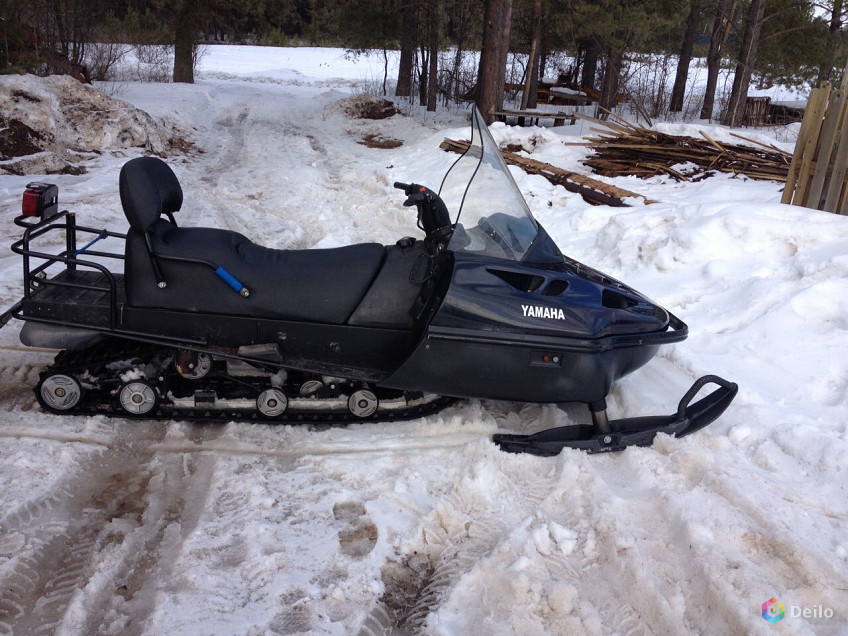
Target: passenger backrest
pixel 149 189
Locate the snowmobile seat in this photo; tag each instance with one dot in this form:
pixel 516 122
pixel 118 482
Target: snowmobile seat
pixel 176 268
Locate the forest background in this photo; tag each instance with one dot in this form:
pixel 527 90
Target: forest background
pixel 464 49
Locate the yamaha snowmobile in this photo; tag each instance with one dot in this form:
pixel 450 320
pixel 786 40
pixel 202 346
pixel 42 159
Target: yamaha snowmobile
pixel 203 324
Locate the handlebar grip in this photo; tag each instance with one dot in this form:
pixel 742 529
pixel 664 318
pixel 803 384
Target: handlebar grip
pixel 402 186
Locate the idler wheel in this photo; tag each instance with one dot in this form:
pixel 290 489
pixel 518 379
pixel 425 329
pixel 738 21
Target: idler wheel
pixel 138 397
pixel 272 402
pixel 192 365
pixel 58 393
pixel 310 388
pixel 363 403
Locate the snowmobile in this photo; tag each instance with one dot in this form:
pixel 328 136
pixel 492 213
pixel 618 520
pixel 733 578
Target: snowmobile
pixel 203 324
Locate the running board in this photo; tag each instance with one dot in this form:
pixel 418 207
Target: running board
pixel 634 431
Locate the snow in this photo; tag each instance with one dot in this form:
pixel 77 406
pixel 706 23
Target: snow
pixel 116 526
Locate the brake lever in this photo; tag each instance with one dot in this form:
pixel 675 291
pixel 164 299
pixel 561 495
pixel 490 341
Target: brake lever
pixel 414 199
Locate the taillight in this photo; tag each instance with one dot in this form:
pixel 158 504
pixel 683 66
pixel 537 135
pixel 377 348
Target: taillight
pixel 40 200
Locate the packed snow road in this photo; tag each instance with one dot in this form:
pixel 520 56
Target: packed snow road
pixel 115 526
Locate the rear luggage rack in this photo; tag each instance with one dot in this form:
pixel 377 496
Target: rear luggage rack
pixel 85 293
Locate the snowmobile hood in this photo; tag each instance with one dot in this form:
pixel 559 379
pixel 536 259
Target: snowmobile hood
pixel 492 217
pixel 566 300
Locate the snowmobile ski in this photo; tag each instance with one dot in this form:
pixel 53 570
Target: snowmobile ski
pixel 616 435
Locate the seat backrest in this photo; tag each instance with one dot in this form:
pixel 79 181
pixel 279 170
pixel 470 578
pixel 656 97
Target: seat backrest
pixel 149 189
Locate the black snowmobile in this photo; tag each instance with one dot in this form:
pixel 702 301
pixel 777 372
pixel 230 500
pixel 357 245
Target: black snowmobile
pixel 205 325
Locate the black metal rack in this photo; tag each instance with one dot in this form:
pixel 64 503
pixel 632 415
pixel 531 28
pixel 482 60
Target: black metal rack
pixel 86 293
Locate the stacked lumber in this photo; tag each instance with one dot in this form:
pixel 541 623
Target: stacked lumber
pixel 593 191
pixel 623 149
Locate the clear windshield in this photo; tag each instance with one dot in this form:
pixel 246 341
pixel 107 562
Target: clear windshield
pixel 492 216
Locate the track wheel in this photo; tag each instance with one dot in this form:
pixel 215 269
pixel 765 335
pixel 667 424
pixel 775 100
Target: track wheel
pixel 58 393
pixel 272 402
pixel 138 397
pixel 363 403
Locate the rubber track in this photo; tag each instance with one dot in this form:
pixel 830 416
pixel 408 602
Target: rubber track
pixel 100 402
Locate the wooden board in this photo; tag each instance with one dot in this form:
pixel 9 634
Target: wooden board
pixel 592 190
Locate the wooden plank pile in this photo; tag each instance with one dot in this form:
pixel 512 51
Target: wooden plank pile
pixel 593 191
pixel 819 169
pixel 623 149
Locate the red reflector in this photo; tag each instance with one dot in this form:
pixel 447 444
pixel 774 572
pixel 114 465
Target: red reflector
pixel 30 203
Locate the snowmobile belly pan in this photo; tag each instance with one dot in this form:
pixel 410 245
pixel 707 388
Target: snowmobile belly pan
pixel 505 366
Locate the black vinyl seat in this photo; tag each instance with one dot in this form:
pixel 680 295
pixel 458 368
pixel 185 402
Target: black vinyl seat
pixel 176 268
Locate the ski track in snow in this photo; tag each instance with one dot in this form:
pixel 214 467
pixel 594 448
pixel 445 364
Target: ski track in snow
pixel 111 526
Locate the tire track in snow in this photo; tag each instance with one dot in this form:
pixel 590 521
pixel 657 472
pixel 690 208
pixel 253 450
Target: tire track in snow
pixel 462 530
pixel 309 441
pixel 91 555
pixel 128 495
pixel 252 157
pixel 283 180
pixel 57 537
pixel 173 493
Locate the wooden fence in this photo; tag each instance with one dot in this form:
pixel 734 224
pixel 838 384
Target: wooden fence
pixel 817 174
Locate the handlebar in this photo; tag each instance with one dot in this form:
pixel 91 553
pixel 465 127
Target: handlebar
pixel 433 216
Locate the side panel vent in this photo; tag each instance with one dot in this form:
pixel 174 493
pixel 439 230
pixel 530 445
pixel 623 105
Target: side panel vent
pixel 614 300
pixel 555 287
pixel 522 282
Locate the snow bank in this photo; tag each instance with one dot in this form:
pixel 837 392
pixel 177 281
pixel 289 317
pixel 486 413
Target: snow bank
pixel 73 122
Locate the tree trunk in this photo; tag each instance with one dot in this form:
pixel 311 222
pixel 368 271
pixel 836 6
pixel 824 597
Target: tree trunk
pixel 678 93
pixel 721 30
pixel 747 57
pixel 185 40
pixel 433 73
pixel 385 69
pixel 492 71
pixel 423 82
pixel 409 40
pixel 531 83
pixel 543 45
pixel 590 64
pixel 612 75
pixel 837 18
